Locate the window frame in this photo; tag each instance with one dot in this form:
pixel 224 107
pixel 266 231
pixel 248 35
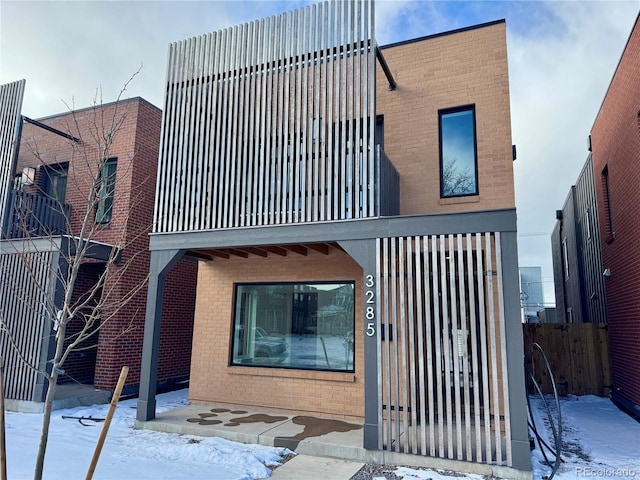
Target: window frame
pixel 447 111
pixel 234 312
pixel 608 214
pixel 52 174
pixel 104 204
pixel 565 258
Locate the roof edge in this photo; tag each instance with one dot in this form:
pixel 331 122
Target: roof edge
pixel 101 105
pixel 442 34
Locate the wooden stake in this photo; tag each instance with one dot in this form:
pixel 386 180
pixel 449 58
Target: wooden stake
pixel 107 422
pixel 3 447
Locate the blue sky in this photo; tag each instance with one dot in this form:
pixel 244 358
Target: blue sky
pixel 562 56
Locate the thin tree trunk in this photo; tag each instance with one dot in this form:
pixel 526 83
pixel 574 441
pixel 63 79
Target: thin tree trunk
pixel 46 420
pixel 48 404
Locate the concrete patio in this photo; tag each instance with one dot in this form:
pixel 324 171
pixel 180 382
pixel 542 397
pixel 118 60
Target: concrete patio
pixel 303 434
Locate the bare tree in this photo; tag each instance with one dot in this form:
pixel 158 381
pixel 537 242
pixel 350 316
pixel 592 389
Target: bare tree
pixel 54 295
pixel 456 180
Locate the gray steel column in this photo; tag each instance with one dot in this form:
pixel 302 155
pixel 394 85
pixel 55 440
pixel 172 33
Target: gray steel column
pixel 364 252
pixel 161 262
pixel 521 456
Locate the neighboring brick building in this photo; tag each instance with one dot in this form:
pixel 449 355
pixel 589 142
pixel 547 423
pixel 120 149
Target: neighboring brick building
pixel 615 143
pixel 63 168
pixel 356 228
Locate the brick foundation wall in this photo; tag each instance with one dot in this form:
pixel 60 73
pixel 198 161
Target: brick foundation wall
pixel 615 139
pixel 213 380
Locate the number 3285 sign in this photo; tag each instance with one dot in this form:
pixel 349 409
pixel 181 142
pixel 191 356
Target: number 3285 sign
pixel 370 305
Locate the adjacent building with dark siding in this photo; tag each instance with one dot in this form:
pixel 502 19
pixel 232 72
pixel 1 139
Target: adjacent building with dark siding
pixel 575 249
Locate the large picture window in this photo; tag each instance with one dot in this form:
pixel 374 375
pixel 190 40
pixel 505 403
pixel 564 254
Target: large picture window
pixel 306 326
pixel 458 159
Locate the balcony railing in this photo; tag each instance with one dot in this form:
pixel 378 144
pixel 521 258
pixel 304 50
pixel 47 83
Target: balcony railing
pixel 388 186
pixel 32 215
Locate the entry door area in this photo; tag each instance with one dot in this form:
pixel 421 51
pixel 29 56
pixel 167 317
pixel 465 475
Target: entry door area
pixel 442 377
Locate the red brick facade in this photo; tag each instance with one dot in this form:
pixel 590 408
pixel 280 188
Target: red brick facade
pixel 615 139
pixel 135 145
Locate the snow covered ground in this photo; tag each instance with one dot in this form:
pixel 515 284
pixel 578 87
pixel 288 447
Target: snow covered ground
pixel 129 453
pixel 599 442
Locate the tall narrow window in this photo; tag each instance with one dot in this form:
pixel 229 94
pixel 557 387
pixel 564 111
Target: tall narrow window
pixel 54 181
pixel 587 223
pixel 565 258
pixel 458 156
pixel 608 217
pixel 104 209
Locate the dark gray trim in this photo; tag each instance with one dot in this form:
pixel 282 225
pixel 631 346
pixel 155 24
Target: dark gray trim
pixel 364 252
pixel 336 231
pixel 443 34
pixel 385 69
pixel 521 455
pixel 160 264
pixel 50 129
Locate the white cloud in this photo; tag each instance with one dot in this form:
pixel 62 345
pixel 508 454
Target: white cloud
pixel 558 78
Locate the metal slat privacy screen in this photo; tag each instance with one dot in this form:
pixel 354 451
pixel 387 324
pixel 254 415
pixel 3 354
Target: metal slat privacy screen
pixel 270 122
pixel 10 121
pixel 442 373
pixel 27 284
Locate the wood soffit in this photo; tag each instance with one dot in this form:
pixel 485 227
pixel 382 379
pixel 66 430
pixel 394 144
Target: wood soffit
pixel 211 254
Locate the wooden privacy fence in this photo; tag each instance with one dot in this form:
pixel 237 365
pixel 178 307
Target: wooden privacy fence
pixel 578 354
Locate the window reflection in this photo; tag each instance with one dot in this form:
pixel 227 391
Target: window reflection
pixel 295 325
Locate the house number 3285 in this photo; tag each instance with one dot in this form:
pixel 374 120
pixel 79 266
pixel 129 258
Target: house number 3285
pixel 370 311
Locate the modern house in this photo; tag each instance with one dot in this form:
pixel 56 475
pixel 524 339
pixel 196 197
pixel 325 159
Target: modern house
pixel 352 207
pixel 577 255
pixel 615 147
pixel 48 166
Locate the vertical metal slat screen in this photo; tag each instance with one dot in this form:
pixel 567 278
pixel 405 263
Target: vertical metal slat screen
pixel 10 122
pixel 271 122
pixel 442 353
pixel 27 281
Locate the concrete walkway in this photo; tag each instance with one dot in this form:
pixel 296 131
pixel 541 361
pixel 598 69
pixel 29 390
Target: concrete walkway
pixel 316 468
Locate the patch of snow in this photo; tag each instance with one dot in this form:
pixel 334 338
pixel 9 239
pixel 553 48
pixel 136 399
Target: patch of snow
pixel 599 441
pixel 129 453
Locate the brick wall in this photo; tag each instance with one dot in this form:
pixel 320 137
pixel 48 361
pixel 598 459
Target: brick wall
pixel 615 139
pixel 135 144
pixel 213 380
pixel 442 72
pixel 176 333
